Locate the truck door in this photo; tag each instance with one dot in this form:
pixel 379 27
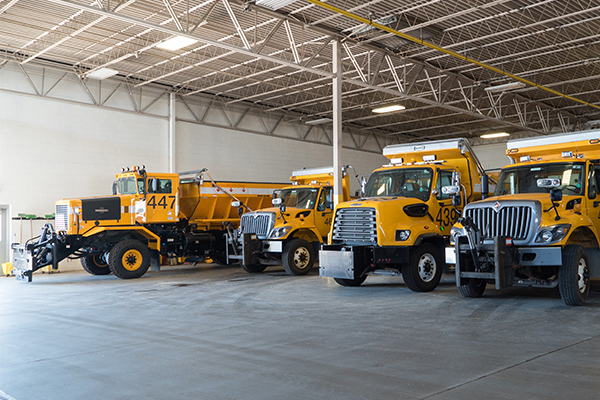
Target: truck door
pixel 593 195
pixel 324 211
pixel 445 215
pixel 162 201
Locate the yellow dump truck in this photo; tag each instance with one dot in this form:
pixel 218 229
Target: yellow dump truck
pixel 402 223
pixel 291 232
pixel 541 228
pixel 149 216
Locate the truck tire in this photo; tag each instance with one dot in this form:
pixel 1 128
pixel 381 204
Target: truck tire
pixel 350 282
pixel 129 259
pixel 424 270
pixel 574 276
pixel 298 257
pixel 474 288
pixel 253 268
pixel 94 264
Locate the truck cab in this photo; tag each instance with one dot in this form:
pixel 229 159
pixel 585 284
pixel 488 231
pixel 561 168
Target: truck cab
pixel 291 232
pixel 541 227
pixel 402 222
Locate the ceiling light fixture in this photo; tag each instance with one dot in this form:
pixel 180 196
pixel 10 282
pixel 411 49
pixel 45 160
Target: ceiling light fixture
pixel 506 86
pixel 274 4
pixel 387 109
pixel 494 135
pixel 176 43
pixel 319 121
pixel 102 73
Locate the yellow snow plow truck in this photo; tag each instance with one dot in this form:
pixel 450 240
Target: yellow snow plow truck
pixel 541 227
pixel 402 222
pixel 291 232
pixel 149 216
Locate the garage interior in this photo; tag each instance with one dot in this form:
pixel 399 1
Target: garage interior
pixel 252 90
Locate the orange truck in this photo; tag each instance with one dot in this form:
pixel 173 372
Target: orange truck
pixel 149 216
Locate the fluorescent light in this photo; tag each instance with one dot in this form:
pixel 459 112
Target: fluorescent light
pixel 319 121
pixel 387 109
pixel 506 86
pixel 274 4
pixel 176 43
pixel 494 135
pixel 102 73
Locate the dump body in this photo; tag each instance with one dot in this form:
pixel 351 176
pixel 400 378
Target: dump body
pixel 541 227
pixel 149 216
pixel 401 224
pixel 291 233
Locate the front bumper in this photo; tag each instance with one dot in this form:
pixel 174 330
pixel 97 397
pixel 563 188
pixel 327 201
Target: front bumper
pixel 506 258
pixel 351 262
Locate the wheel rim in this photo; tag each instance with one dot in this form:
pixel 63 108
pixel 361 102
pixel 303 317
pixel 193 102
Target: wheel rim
pixel 427 267
pixel 301 257
pixel 132 260
pixel 582 275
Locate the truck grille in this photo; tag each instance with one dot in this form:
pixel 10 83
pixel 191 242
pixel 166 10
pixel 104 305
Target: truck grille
pixel 61 218
pixel 512 221
pixel 257 223
pixel 355 225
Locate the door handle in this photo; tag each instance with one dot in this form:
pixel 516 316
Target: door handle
pixel 596 203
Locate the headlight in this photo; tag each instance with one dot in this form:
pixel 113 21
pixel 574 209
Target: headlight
pixel 552 234
pixel 280 232
pixel 454 232
pixel 402 235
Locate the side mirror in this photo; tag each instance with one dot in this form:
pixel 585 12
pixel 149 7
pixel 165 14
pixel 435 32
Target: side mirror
pixel 277 201
pixel 363 186
pixel 114 187
pixel 556 195
pixel 485 187
pixel 456 200
pixel 153 185
pixel 236 203
pixel 435 193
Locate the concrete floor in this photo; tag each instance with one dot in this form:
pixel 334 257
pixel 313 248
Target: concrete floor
pixel 220 333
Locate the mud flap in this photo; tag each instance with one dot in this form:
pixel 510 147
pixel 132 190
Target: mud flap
pixel 250 246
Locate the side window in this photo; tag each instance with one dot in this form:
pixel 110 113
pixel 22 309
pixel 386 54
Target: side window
pixel 444 179
pixel 325 200
pixel 594 181
pixel 161 185
pixel 141 186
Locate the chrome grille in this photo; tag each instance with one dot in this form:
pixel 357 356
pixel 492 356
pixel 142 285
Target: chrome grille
pixel 61 218
pixel 510 221
pixel 257 223
pixel 355 225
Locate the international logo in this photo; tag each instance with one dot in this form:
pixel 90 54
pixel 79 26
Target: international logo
pixel 497 206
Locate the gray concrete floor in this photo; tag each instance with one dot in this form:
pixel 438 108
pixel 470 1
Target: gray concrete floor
pixel 220 333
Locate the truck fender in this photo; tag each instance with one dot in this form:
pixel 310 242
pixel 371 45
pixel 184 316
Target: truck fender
pixel 153 239
pixel 309 234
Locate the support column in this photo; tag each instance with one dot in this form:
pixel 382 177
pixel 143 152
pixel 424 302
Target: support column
pixel 337 122
pixel 172 133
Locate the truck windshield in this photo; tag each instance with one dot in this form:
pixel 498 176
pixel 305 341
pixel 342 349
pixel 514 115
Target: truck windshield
pixel 303 198
pixel 406 182
pixel 523 179
pixel 127 185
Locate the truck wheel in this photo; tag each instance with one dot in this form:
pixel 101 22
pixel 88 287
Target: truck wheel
pixel 129 259
pixel 94 264
pixel 253 268
pixel 574 276
pixel 474 288
pixel 424 271
pixel 350 282
pixel 298 257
